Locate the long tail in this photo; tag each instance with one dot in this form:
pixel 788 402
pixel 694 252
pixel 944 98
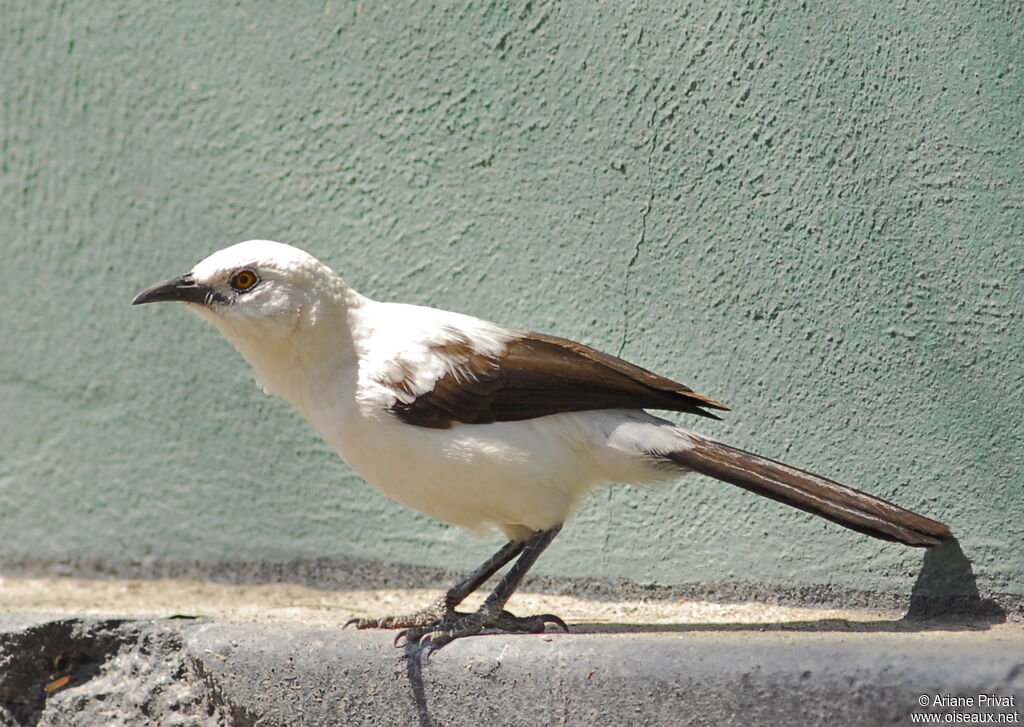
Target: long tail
pixel 841 504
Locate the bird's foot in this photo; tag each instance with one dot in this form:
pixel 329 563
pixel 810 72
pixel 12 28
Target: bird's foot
pixel 436 612
pixel 456 625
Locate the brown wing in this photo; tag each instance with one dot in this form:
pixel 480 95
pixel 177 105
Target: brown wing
pixel 537 375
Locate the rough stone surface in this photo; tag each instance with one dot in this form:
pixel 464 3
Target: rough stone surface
pixel 101 672
pixel 811 212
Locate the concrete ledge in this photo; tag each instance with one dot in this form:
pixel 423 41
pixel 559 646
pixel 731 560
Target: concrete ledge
pixel 258 661
pixel 208 673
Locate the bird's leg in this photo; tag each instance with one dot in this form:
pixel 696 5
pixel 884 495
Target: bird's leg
pixel 492 614
pixel 444 607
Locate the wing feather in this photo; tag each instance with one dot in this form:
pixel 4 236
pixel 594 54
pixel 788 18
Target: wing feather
pixel 538 375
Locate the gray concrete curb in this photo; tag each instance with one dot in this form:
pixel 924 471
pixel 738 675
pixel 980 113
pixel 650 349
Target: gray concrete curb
pixel 197 672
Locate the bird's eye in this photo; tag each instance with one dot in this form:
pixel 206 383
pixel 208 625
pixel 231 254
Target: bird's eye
pixel 244 280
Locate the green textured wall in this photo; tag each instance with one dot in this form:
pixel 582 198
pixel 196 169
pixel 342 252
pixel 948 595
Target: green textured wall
pixel 813 215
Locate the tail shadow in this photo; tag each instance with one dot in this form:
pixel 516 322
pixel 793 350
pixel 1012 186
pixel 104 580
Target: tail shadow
pixel 947 590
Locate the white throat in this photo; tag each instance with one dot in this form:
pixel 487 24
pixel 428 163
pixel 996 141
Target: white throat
pixel 296 355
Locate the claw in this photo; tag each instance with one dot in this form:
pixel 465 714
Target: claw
pixel 350 622
pixel 432 641
pixel 428 639
pixel 399 636
pixel 550 618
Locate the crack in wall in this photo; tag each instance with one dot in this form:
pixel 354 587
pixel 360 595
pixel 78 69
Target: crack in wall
pixel 642 237
pixel 627 287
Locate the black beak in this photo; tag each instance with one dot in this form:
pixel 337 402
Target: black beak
pixel 182 289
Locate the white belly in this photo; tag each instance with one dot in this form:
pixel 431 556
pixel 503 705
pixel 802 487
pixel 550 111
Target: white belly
pixel 514 475
pixel 506 474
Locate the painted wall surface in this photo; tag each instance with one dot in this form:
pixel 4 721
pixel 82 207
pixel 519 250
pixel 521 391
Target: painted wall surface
pixel 811 213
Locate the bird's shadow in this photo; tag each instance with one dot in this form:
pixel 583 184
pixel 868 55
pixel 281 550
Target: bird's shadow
pixel 945 597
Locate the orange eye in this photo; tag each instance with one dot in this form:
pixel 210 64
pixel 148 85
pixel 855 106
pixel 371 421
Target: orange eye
pixel 244 280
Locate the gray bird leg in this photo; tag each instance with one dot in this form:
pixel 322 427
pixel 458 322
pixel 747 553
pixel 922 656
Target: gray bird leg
pixel 444 607
pixel 492 614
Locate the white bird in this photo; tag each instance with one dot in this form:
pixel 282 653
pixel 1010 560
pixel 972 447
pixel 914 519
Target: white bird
pixel 477 424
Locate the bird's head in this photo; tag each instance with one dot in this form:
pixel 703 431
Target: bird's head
pixel 257 293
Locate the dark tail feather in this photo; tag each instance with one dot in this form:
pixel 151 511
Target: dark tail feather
pixel 841 504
